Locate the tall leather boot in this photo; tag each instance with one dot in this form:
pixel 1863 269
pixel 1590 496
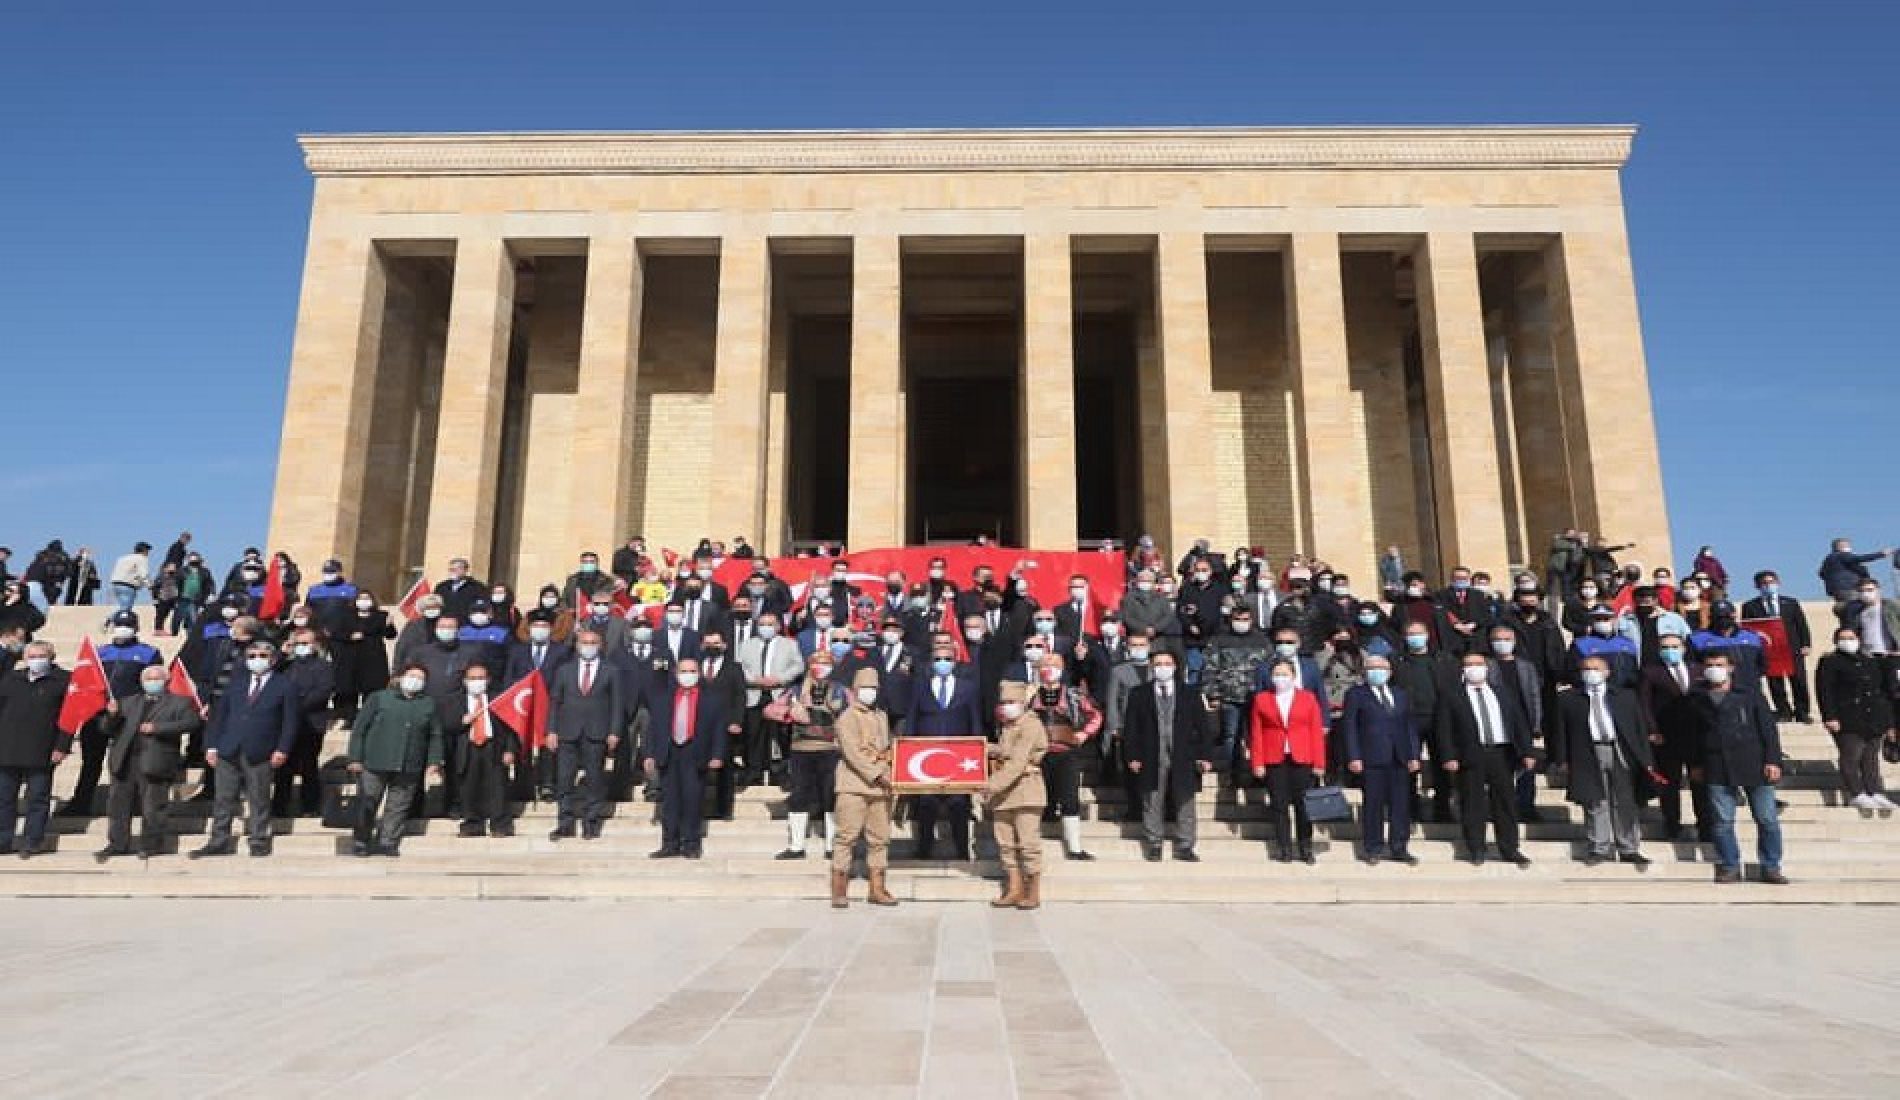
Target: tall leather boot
pixel 1032 892
pixel 839 880
pixel 878 895
pixel 1012 891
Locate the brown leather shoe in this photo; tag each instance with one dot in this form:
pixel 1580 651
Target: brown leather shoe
pixel 1012 892
pixel 878 895
pixel 1032 892
pixel 1774 878
pixel 839 880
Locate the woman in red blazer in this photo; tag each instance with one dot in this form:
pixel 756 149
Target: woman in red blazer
pixel 1288 749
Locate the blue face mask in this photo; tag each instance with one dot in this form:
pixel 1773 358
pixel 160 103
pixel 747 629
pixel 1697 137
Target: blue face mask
pixel 1377 677
pixel 943 666
pixel 1671 657
pixel 1415 642
pixel 1461 585
pixel 1771 590
pixel 839 649
pixel 153 687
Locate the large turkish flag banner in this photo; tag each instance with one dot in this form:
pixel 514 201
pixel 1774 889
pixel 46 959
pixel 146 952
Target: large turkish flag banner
pixel 940 765
pixel 1777 658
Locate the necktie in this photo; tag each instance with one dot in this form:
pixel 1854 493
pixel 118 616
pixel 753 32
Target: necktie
pixel 478 730
pixel 1385 699
pixel 1774 608
pixel 587 677
pixel 1601 730
pixel 683 718
pixel 1682 679
pixel 540 653
pixel 1486 734
pixel 943 692
pixel 257 685
pixel 712 669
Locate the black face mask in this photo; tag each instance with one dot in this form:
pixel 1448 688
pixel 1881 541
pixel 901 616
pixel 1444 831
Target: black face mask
pixel 715 652
pixel 894 589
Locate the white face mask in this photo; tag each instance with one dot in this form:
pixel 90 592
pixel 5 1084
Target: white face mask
pixel 589 652
pixel 476 687
pixel 1592 677
pixel 1009 712
pixel 867 696
pixel 122 634
pixel 1476 674
pixel 39 666
pixel 675 621
pixel 892 637
pixel 1163 673
pixel 1137 655
pixel 688 679
pixel 1111 630
pixel 1715 674
pixel 258 665
pixel 1282 683
pixel 550 602
pixel 768 631
pixel 643 634
pixel 1503 647
pixel 1849 646
pixel 445 636
pixel 479 618
pixel 366 605
pixel 539 634
pixel 974 634
pixel 303 649
pixel 412 685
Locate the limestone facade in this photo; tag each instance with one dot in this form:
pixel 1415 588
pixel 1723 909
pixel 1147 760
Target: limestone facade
pixel 512 347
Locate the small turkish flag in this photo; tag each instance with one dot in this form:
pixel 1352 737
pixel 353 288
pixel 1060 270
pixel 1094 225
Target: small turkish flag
pixel 412 597
pixel 947 622
pixel 524 707
pixel 935 764
pixel 270 606
pixel 179 684
pixel 623 600
pixel 1777 656
pixel 86 693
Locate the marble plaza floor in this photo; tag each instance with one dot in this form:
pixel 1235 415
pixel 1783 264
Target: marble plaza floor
pixel 360 999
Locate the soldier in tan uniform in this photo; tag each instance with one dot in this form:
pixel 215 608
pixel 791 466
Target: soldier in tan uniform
pixel 864 792
pixel 1017 796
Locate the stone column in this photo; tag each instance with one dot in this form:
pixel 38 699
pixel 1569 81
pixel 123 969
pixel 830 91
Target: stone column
pixel 1335 474
pixel 876 496
pixel 1469 494
pixel 474 388
pixel 737 485
pixel 603 444
pixel 1605 383
pixel 317 506
pixel 1048 394
pixel 1187 383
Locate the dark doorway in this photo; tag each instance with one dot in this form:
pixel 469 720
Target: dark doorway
pixel 1107 428
pixel 963 449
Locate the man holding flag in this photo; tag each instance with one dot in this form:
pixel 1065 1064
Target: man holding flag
pixel 36 732
pixel 486 751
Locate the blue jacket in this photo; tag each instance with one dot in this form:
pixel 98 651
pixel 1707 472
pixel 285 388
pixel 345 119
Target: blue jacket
pixel 1622 655
pixel 122 665
pixel 1380 737
pixel 332 604
pixel 240 729
pixel 1744 648
pixel 964 715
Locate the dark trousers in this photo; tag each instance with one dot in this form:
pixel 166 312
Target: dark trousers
pixel 93 741
pixel 927 809
pixel 1860 763
pixel 1062 772
pixel 39 800
pixel 484 785
pixel 151 796
pixel 580 776
pixel 1287 784
pixel 1385 818
pixel 1778 690
pixel 237 778
pixel 755 746
pixel 302 769
pixel 814 778
pixel 726 780
pixel 1486 788
pixel 391 793
pixel 682 814
pixel 619 784
pixel 1674 757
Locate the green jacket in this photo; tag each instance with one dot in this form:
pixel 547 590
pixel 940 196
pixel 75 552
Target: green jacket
pixel 395 733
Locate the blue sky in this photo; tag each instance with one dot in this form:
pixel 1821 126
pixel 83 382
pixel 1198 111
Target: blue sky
pixel 152 200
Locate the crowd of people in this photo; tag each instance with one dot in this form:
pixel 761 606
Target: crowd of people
pixel 1620 685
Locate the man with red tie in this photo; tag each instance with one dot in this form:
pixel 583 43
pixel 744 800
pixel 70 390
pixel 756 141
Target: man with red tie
pixel 587 716
pixel 685 739
pixel 487 752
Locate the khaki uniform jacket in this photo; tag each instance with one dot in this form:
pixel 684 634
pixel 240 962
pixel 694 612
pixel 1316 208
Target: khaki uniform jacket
pixel 1016 769
pixel 864 748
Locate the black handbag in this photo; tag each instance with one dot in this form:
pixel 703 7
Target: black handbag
pixel 1890 751
pixel 1326 804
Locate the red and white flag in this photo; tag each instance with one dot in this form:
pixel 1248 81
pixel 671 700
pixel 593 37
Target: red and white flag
pixel 270 607
pixel 179 683
pixel 525 708
pixel 947 622
pixel 407 607
pixel 86 691
pixel 929 764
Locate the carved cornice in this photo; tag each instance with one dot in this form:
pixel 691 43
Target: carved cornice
pixel 830 151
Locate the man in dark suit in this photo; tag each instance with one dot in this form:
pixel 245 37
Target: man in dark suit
pixel 896 664
pixel 1665 691
pixel 1609 760
pixel 459 591
pixel 675 639
pixel 722 679
pixel 1771 604
pixel 945 702
pixel 1167 732
pixel 1468 612
pixel 1483 742
pixel 540 653
pixel 586 719
pixel 31 743
pixel 145 759
pixel 685 739
pixel 1381 737
pixel 1073 616
pixel 252 728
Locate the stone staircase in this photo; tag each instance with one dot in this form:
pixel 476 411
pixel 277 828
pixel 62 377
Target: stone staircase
pixel 1834 855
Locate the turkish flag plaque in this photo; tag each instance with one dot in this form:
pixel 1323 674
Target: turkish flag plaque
pixel 939 765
